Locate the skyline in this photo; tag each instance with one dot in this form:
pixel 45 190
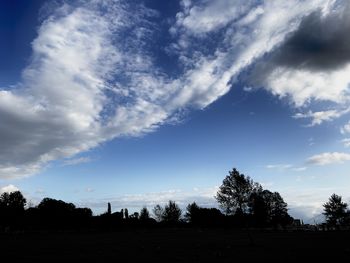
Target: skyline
pixel 139 102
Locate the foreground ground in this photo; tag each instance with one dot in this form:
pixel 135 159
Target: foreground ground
pixel 176 245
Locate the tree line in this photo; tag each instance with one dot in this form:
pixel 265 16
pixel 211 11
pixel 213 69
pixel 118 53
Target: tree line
pixel 242 202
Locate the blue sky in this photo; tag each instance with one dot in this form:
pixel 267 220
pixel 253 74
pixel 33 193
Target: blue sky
pixel 139 102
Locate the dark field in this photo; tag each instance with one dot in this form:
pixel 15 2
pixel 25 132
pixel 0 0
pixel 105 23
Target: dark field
pixel 176 245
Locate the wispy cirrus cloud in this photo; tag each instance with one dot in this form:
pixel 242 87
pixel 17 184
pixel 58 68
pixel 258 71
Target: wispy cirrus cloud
pixel 70 92
pixel 285 167
pixel 93 75
pixel 318 117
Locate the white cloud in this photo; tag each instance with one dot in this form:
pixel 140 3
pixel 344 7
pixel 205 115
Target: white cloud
pixel 345 129
pixel 285 167
pixel 302 86
pixel 213 15
pixel 89 82
pixel 346 142
pixel 8 189
pixel 61 93
pixel 250 30
pixel 71 100
pixel 93 78
pixel 278 166
pixel 319 117
pixel 329 158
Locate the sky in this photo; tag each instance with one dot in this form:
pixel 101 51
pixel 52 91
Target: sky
pixel 139 102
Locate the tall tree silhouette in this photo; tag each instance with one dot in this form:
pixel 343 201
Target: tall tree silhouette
pixel 279 211
pixel 144 214
pixel 192 213
pixel 172 212
pixel 335 210
pixel 234 193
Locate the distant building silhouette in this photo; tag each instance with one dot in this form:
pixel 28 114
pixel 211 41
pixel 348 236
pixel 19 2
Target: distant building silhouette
pixel 109 209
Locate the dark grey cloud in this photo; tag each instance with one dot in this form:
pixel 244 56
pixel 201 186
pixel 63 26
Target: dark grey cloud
pixel 321 43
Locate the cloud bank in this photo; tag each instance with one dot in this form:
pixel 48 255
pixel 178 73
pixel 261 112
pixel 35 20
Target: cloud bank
pixel 94 74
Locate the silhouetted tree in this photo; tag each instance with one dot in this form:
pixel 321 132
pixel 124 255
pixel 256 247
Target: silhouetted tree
pixel 11 207
pixel 56 213
pixel 135 215
pixel 279 211
pixel 171 213
pixel 260 207
pixel 83 212
pixel 347 218
pixel 54 206
pixel 234 193
pixel 203 216
pixel 13 201
pixel 192 213
pixel 335 210
pixel 268 208
pixel 158 213
pixel 144 214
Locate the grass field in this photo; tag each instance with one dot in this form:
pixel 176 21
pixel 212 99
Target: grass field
pixel 176 245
